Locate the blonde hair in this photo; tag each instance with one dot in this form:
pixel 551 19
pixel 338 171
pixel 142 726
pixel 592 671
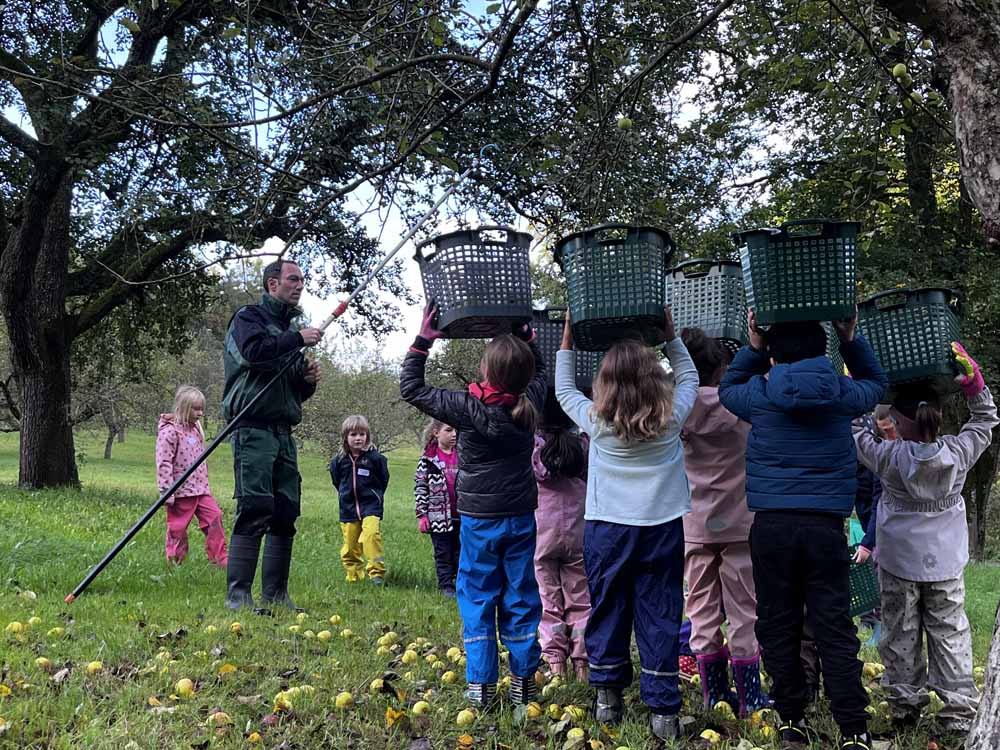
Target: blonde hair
pixel 431 430
pixel 185 399
pixel 632 393
pixel 354 423
pixel 509 365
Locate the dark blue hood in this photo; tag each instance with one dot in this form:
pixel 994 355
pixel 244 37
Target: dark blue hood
pixel 806 384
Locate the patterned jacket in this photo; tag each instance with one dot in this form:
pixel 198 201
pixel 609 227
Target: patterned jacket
pixel 430 494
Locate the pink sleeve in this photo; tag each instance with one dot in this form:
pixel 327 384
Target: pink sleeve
pixel 541 473
pixel 166 449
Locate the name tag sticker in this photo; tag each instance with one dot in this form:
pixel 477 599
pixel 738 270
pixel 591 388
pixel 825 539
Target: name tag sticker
pixel 363 472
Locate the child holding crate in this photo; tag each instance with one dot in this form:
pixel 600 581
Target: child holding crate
pixel 717 563
pixel 923 548
pixel 560 464
pixel 801 481
pixel 497 496
pixel 637 493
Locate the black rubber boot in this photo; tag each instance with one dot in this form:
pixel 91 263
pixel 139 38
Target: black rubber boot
pixel 240 570
pixel 274 572
pixel 608 705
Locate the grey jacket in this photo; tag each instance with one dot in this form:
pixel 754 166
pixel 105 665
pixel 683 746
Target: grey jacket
pixel 922 531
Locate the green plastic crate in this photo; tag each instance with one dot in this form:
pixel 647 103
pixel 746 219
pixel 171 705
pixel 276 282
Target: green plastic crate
pixel 708 294
pixel 616 278
pixel 548 324
pixel 479 279
pixel 865 594
pixel 911 331
pixel 805 270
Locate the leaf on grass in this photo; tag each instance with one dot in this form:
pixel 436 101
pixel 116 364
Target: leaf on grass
pixel 420 743
pixel 249 700
pixel 288 673
pixel 465 742
pixel 162 709
pixel 394 716
pixel 173 634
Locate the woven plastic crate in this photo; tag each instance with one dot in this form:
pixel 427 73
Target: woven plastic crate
pixel 806 270
pixel 864 585
pixel 616 278
pixel 911 331
pixel 708 294
pixel 549 325
pixel 479 279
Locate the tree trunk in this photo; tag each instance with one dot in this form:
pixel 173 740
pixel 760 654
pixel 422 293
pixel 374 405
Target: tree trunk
pixel 966 34
pixel 985 734
pixel 33 297
pixel 980 482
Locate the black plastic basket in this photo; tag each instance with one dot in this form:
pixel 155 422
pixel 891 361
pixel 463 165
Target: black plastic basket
pixel 616 278
pixel 548 324
pixel 806 270
pixel 708 294
pixel 911 331
pixel 479 279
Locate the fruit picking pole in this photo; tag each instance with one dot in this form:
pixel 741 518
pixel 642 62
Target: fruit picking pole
pixel 234 422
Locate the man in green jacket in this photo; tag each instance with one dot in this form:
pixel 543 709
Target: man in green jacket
pixel 260 341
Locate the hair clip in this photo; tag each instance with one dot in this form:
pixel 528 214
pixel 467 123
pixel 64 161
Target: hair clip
pixel 922 403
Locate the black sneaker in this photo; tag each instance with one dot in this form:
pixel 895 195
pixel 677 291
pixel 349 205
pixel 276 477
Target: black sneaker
pixel 856 742
pixel 794 734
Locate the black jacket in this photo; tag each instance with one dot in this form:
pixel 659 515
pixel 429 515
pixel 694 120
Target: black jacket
pixel 495 478
pixel 260 340
pixel 360 484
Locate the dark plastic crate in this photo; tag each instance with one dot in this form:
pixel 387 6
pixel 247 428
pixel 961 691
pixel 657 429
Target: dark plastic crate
pixel 616 278
pixel 911 331
pixel 479 279
pixel 548 324
pixel 708 294
pixel 865 595
pixel 806 270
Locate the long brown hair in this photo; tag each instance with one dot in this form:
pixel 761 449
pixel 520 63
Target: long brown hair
pixel 632 393
pixel 509 365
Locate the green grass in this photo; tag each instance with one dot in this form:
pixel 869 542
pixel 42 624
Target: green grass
pixel 140 608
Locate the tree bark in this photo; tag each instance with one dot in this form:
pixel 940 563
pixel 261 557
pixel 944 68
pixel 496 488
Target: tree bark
pixel 985 734
pixel 33 297
pixel 966 34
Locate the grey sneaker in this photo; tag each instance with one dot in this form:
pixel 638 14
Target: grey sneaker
pixel 608 706
pixel 665 727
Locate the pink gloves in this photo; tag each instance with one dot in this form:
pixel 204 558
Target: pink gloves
pixel 424 523
pixel 427 328
pixel 971 380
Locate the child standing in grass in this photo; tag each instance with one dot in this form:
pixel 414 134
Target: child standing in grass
pixel 560 464
pixel 179 441
pixel 717 539
pixel 497 496
pixel 360 475
pixel 634 538
pixel 924 548
pixel 436 501
pixel 801 478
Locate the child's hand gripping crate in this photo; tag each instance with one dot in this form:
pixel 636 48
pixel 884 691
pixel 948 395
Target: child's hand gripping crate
pixel 708 294
pixel 548 324
pixel 479 279
pixel 805 270
pixel 616 278
pixel 864 585
pixel 911 331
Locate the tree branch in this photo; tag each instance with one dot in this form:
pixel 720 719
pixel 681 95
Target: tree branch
pixel 19 139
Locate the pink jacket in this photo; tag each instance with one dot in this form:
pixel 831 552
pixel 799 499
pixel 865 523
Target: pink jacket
pixel 715 443
pixel 559 516
pixel 177 446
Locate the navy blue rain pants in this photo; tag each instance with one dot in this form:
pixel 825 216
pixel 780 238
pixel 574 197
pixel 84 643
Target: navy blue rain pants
pixel 635 575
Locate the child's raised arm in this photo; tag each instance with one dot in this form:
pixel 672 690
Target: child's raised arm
pixel 573 402
pixel 976 434
pixel 861 392
pixel 685 373
pixel 735 391
pixel 439 403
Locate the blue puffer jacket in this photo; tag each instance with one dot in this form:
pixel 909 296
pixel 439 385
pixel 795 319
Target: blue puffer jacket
pixel 800 453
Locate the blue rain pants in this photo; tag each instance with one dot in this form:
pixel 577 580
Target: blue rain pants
pixel 496 585
pixel 635 575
